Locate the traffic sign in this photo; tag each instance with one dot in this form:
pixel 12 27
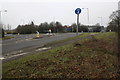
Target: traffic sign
pixel 78 11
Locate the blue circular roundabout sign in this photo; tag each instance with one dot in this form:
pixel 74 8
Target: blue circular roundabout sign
pixel 78 11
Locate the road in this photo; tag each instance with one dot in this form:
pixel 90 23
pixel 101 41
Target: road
pixel 25 41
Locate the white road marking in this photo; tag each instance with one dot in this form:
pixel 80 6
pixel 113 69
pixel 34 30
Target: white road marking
pixel 23 40
pixel 41 49
pixel 2 58
pixel 17 55
pixel 28 39
pixel 19 41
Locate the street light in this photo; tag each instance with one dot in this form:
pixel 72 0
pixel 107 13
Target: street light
pixel 54 25
pixel 1 16
pixel 87 14
pixel 118 34
pixel 1 13
pixel 101 20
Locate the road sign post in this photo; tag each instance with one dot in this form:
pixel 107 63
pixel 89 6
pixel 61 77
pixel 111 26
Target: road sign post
pixel 77 24
pixel 77 11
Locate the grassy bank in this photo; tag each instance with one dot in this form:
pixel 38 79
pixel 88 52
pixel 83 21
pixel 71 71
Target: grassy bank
pixel 71 38
pixel 93 58
pixel 7 37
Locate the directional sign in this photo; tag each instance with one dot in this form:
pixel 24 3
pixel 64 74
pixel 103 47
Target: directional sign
pixel 78 11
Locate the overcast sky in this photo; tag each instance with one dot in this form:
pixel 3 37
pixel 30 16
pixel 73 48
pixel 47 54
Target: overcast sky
pixel 25 11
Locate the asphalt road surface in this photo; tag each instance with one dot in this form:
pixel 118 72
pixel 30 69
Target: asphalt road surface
pixel 25 41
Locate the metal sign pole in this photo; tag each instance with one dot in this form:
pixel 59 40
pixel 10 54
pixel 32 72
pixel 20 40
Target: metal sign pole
pixel 77 11
pixel 77 24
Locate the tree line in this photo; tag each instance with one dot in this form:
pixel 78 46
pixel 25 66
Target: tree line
pixel 114 22
pixel 56 27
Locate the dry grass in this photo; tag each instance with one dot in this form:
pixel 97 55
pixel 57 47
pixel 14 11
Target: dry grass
pixel 94 58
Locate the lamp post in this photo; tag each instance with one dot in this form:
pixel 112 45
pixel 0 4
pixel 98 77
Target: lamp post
pixel 87 14
pixel 118 54
pixel 1 35
pixel 1 17
pixel 101 20
pixel 54 24
pixel 116 15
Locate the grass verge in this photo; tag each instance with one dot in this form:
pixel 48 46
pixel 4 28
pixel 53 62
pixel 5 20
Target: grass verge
pixel 7 37
pixel 94 58
pixel 68 39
